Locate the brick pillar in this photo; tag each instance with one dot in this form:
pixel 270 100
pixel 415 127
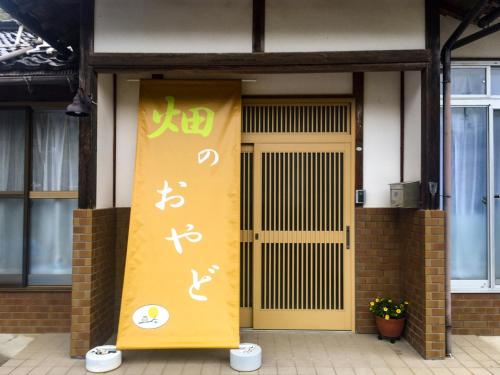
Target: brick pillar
pixel 423 279
pixel 435 284
pixel 92 311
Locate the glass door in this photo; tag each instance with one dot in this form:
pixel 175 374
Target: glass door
pixel 469 211
pixel 496 192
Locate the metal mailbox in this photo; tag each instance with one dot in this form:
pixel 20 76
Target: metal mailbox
pixel 405 194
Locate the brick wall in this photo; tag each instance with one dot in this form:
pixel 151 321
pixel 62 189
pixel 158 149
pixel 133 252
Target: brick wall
pixel 400 254
pixel 35 311
pixel 423 279
pixel 93 297
pixel 475 313
pixel 412 276
pixel 377 256
pixel 122 223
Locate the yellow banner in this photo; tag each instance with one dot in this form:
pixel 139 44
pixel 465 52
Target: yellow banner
pixel 182 269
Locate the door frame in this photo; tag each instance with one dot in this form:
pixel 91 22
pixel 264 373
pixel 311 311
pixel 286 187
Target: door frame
pixel 314 138
pixel 316 318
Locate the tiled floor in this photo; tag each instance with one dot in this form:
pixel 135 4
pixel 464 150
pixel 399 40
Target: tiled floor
pixel 284 352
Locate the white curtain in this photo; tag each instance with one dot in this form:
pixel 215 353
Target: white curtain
pixel 12 124
pixel 11 236
pixel 55 151
pixel 469 219
pixel 51 236
pixel 495 82
pixel 468 81
pixel 55 168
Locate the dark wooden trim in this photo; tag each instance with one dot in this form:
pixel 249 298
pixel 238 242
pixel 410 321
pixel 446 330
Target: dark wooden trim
pixel 28 155
pixel 358 89
pixel 114 139
pixel 284 62
pixel 475 59
pixel 37 289
pixel 39 93
pixel 88 125
pixel 258 25
pixel 430 147
pixel 402 127
pixel 90 25
pixel 295 96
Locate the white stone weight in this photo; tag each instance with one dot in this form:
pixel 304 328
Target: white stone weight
pixel 103 358
pixel 248 357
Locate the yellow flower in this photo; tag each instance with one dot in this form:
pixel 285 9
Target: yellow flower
pixel 385 309
pixel 398 311
pixel 372 303
pixel 387 317
pixel 377 300
pixel 390 301
pixel 406 302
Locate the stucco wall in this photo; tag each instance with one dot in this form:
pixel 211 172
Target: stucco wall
pixel 104 188
pixel 226 26
pixel 413 126
pixel 325 25
pixel 381 126
pixel 381 136
pixel 173 26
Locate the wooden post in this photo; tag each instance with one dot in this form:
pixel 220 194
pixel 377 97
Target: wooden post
pixel 358 88
pixel 430 168
pixel 258 25
pixel 88 125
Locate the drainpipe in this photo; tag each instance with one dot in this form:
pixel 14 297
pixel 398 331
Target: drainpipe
pixel 446 63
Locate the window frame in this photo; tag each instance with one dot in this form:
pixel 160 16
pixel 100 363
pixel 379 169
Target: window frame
pixel 492 103
pixel 28 195
pixel 487 72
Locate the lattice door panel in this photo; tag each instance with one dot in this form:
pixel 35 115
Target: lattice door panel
pixel 246 235
pixel 301 258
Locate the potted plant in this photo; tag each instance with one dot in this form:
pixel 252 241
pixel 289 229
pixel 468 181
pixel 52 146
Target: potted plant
pixel 390 317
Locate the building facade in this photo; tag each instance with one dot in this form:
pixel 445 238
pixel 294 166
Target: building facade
pixel 344 100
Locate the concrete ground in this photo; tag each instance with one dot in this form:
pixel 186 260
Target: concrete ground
pixel 284 352
pixel 11 344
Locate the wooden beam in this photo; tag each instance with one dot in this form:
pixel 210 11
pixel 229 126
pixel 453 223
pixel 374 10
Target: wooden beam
pixel 258 25
pixel 430 149
pixel 284 62
pixel 402 127
pixel 88 125
pixel 39 93
pixel 358 89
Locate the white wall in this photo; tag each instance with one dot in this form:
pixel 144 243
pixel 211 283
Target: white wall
pixel 173 26
pixel 226 25
pixel 381 136
pixel 104 188
pixel 339 25
pixel 128 100
pixel 484 48
pixel 381 123
pixel 413 126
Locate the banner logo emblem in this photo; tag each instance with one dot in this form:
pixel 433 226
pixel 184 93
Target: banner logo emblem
pixel 150 316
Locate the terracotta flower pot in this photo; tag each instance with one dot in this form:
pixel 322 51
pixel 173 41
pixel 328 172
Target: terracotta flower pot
pixel 391 329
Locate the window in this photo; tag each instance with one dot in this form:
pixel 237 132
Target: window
pixel 495 81
pixel 469 188
pixel 475 196
pixel 468 81
pixel 38 192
